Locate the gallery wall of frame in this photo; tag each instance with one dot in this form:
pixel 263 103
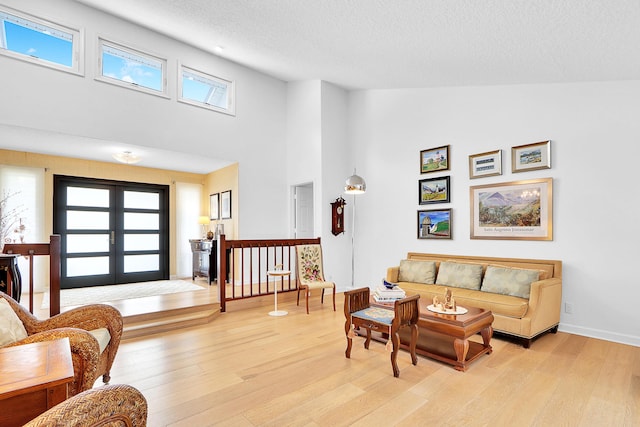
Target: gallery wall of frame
pixel 434 223
pixel 515 210
pixel 220 205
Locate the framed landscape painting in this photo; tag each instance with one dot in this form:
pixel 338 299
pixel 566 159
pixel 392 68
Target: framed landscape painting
pixel 519 210
pixel 434 159
pixel 531 157
pixel 433 190
pixel 434 224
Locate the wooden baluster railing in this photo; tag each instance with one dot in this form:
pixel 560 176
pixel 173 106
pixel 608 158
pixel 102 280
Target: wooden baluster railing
pixel 230 251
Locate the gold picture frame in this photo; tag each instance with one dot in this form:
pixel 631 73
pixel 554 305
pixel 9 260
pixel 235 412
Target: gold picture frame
pixel 518 210
pixel 485 164
pixel 531 157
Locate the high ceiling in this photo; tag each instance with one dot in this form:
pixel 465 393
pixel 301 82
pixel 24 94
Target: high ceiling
pixel 377 44
pixel 382 44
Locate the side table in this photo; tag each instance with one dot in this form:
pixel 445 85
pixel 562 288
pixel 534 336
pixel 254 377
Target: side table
pixel 33 378
pixel 276 274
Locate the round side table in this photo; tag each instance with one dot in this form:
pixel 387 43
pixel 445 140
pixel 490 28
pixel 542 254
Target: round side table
pixel 275 274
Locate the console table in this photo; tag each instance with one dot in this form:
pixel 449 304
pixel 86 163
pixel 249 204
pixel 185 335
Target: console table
pixel 10 278
pixel 33 378
pixel 204 259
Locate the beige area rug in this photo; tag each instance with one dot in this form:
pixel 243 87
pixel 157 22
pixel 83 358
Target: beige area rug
pixel 98 294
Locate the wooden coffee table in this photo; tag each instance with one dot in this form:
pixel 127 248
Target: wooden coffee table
pixel 445 337
pixel 33 378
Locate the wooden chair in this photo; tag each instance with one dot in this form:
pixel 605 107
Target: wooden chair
pixel 309 273
pixel 359 314
pixel 109 405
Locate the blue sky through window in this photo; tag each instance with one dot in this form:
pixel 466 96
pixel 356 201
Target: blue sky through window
pixel 39 42
pixel 210 91
pixel 131 68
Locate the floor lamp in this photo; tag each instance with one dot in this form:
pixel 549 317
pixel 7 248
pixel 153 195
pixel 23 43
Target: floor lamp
pixel 354 185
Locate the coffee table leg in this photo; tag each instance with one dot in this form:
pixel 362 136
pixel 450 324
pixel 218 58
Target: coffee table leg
pixel 461 347
pixel 487 333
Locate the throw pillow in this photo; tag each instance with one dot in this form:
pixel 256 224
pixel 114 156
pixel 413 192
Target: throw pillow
pixel 509 281
pixel 417 271
pixel 460 275
pixel 11 328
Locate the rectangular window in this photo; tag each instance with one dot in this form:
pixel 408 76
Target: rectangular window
pixel 131 68
pixel 207 91
pixel 41 42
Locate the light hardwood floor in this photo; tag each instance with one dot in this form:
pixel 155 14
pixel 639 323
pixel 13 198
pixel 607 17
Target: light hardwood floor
pixel 246 368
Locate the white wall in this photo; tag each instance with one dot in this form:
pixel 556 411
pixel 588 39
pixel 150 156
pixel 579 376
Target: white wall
pixel 317 152
pixel 594 130
pixel 55 102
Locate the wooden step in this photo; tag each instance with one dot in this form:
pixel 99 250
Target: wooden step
pixel 138 325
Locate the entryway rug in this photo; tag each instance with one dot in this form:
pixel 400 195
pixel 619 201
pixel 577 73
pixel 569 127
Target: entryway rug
pixel 98 294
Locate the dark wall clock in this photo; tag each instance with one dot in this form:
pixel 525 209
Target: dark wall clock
pixel 337 216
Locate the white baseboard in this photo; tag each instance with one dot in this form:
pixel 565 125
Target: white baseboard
pixel 600 334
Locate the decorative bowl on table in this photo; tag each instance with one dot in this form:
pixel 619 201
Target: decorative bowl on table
pixel 388 285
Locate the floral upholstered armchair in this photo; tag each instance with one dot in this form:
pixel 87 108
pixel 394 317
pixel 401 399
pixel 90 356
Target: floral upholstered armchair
pixel 94 333
pixel 310 275
pixel 116 405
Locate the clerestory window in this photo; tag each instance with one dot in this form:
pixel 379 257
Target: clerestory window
pixel 131 68
pixel 41 42
pixel 205 90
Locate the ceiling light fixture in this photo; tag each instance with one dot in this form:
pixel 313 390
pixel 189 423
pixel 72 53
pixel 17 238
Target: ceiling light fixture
pixel 218 49
pixel 126 157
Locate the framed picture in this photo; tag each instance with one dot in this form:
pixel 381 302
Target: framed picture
pixel 434 224
pixel 434 159
pixel 214 206
pixel 485 164
pixel 225 205
pixel 433 190
pixel 531 157
pixel 519 210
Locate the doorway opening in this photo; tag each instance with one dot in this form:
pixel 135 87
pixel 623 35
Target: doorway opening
pixel 303 218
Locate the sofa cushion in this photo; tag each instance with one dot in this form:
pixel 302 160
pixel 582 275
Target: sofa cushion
pixel 502 305
pixel 11 328
pixel 460 275
pixel 509 281
pixel 417 271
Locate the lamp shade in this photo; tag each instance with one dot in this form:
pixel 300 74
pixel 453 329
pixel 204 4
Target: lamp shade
pixel 203 220
pixel 355 185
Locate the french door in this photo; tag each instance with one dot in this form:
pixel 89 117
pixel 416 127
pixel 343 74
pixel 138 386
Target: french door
pixel 112 232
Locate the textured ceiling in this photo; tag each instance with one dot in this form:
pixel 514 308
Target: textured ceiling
pixel 366 44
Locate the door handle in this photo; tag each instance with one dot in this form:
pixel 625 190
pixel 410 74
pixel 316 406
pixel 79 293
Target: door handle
pixel 113 237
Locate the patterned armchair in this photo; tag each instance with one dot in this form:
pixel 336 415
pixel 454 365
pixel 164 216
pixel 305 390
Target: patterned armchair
pixel 309 274
pixel 94 333
pixel 107 406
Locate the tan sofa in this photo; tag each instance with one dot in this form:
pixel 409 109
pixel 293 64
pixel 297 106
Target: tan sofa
pixel 524 295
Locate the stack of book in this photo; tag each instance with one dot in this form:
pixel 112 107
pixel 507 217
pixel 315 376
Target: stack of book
pixel 382 294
